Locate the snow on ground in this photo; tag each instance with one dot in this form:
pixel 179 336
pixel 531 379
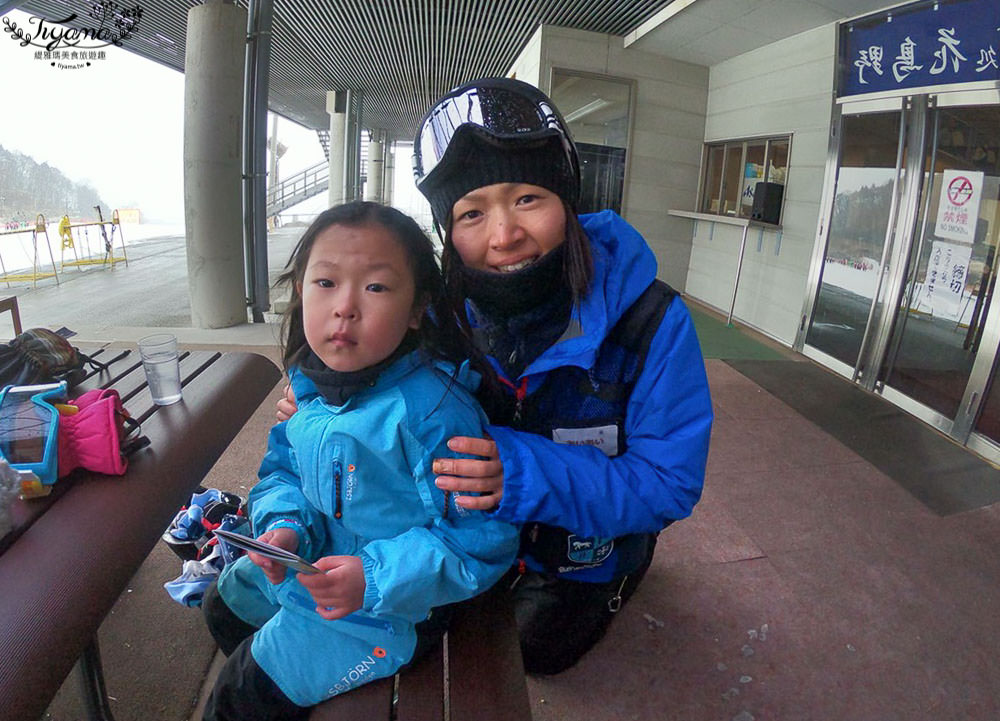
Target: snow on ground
pixel 17 250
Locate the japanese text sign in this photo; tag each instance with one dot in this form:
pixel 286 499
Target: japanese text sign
pixel 947 269
pixel 958 205
pixel 924 44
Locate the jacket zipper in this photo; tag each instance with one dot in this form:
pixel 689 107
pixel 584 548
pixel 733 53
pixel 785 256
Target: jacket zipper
pixel 338 510
pixel 307 603
pixel 520 393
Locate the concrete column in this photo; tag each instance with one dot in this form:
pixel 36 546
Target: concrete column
pixel 213 199
pixel 390 172
pixel 376 168
pixel 336 106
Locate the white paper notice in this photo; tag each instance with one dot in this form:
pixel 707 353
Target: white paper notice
pixel 958 206
pixel 945 282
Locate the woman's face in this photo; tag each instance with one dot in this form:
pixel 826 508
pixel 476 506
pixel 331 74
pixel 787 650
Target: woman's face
pixel 506 227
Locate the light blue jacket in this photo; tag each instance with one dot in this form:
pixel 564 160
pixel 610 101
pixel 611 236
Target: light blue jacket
pixel 356 480
pixel 668 421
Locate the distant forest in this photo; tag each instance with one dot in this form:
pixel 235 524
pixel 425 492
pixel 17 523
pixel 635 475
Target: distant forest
pixel 28 188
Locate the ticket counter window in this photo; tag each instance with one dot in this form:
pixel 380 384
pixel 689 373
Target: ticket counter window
pixel 745 178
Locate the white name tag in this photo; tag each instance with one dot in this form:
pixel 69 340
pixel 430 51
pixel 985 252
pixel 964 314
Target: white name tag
pixel 603 438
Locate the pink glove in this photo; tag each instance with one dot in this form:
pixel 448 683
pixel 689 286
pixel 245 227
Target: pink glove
pixel 93 437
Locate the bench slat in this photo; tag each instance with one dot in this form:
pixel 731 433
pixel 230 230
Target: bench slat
pixel 421 689
pixel 486 674
pixel 371 702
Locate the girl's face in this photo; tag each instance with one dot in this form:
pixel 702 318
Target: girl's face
pixel 357 296
pixel 506 227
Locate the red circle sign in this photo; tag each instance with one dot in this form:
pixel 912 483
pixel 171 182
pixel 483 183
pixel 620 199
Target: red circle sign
pixel 959 190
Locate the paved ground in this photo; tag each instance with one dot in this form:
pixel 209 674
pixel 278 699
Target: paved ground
pixel 101 304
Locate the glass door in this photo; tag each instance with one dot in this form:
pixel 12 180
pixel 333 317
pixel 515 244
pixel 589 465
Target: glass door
pixel 903 292
pixel 861 220
pixel 936 354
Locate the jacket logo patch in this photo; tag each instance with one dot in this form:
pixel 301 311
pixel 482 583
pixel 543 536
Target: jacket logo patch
pixel 350 482
pixel 588 550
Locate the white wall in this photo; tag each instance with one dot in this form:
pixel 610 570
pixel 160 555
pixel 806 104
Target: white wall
pixel 527 67
pixel 667 134
pixel 785 87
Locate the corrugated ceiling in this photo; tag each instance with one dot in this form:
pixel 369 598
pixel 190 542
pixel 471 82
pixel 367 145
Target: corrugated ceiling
pixel 401 54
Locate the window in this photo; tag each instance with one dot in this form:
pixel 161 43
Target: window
pixel 598 110
pixel 737 170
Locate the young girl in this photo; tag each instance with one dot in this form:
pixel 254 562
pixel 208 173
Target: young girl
pixel 347 482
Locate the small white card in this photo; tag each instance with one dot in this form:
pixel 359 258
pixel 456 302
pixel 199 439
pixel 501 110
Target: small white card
pixel 603 438
pixel 267 550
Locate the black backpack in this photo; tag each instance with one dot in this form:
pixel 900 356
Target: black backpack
pixel 39 355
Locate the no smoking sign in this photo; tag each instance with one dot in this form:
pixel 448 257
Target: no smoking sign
pixel 960 190
pixel 958 207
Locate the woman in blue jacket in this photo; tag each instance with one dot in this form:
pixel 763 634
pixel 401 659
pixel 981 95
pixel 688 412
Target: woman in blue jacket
pixel 603 438
pixel 347 482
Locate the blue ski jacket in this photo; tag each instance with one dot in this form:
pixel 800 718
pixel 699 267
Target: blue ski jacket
pixel 356 480
pixel 668 420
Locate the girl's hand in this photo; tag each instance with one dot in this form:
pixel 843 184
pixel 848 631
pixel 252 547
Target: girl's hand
pixel 282 538
pixel 287 405
pixel 340 589
pixel 470 475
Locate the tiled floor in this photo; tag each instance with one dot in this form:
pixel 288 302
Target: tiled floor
pixel 806 585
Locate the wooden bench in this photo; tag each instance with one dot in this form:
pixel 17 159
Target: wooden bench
pixel 476 674
pixel 72 553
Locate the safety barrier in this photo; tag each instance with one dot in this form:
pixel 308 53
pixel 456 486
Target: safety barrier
pixel 67 242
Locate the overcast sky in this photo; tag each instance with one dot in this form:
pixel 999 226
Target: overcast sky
pixel 117 124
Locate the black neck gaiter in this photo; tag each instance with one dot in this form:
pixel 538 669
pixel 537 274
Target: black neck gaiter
pixel 520 314
pixel 337 386
pixel 502 295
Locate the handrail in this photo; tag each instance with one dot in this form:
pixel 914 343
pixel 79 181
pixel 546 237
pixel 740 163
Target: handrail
pixel 304 184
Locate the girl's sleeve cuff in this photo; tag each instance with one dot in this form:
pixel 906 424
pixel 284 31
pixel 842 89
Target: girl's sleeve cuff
pixel 372 595
pixel 305 545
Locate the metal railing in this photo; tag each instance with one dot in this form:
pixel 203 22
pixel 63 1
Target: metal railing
pixel 301 186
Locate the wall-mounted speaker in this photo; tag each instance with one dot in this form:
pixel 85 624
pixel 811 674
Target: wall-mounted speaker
pixel 767 202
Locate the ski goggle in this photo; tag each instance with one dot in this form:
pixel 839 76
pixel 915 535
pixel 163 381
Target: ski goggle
pixel 505 112
pixel 29 425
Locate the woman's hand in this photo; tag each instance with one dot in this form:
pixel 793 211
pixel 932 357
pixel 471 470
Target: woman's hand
pixel 287 405
pixel 282 538
pixel 469 475
pixel 340 589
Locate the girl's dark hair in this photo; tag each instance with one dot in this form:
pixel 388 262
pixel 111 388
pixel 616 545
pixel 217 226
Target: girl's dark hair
pixel 439 332
pixel 578 266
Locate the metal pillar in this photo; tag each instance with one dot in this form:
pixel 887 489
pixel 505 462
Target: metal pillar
pixel 352 146
pixel 258 61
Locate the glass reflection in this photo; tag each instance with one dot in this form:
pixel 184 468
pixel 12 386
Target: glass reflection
pixel 861 208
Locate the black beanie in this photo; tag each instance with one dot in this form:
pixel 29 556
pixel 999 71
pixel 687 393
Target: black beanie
pixel 473 162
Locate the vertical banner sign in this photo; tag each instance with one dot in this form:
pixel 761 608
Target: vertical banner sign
pixel 945 281
pixel 958 206
pixel 919 45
